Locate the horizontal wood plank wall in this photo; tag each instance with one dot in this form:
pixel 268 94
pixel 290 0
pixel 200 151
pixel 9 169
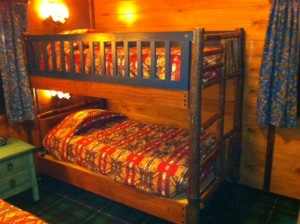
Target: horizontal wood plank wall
pixel 179 15
pixel 170 15
pixel 286 165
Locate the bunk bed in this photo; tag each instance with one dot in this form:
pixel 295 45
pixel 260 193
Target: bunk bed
pixel 165 70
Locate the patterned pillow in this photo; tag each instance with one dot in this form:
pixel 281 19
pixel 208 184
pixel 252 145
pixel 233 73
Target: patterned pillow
pixel 79 122
pixel 86 118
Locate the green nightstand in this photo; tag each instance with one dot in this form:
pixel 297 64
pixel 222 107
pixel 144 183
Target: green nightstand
pixel 17 169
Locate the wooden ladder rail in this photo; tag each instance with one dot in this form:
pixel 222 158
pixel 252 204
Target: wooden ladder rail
pixel 193 196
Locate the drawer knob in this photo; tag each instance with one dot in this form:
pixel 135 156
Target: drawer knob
pixel 10 166
pixel 12 183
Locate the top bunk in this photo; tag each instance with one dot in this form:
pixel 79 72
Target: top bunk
pixel 133 66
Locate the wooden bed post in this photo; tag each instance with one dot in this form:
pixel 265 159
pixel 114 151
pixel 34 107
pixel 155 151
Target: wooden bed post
pixel 193 207
pixel 238 123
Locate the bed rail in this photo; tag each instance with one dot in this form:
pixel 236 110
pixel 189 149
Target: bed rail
pixel 39 58
pixel 134 59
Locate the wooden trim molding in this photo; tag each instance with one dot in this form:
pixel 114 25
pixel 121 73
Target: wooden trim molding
pixel 92 14
pixel 271 131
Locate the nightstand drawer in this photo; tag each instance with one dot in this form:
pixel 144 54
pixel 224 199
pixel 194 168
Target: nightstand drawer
pixel 17 169
pixel 13 165
pixel 15 181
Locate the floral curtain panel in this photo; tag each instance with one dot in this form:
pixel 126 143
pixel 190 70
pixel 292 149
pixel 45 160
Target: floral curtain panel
pixel 277 95
pixel 18 100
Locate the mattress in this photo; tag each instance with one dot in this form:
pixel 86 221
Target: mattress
pixel 82 63
pixel 149 157
pixel 10 214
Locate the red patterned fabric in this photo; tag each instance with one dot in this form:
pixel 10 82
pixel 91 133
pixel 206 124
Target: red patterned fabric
pixel 146 156
pixel 175 60
pixel 10 214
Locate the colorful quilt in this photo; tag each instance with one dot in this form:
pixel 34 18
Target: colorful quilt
pixel 10 214
pixel 150 157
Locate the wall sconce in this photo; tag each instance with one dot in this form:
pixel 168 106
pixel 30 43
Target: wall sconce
pixel 127 12
pixel 60 95
pixel 54 11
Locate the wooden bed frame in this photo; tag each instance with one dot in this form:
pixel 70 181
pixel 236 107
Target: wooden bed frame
pixel 185 95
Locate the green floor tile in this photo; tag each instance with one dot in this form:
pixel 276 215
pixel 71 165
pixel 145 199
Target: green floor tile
pixel 127 214
pixel 57 186
pixel 288 204
pixel 89 199
pixel 155 220
pixel 62 203
pixel 25 202
pixel 66 212
pixel 101 218
pixel 281 217
pixel 256 214
pixel 241 211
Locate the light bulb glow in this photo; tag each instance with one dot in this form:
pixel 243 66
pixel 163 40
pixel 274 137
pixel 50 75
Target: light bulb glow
pixel 59 94
pixel 57 11
pixel 127 13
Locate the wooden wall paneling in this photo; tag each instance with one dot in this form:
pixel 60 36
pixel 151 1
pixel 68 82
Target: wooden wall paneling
pixel 192 18
pixel 168 15
pixel 154 114
pixel 79 14
pixel 16 130
pixel 286 163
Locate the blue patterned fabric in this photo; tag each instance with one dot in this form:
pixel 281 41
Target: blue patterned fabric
pixel 277 94
pixel 18 100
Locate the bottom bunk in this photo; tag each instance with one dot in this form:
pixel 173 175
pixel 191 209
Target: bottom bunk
pixel 171 209
pixel 81 125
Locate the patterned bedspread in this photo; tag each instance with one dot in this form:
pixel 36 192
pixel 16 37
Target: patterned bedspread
pixel 160 57
pixel 146 156
pixel 10 214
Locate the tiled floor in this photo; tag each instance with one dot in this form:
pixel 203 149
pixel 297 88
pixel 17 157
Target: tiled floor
pixel 62 203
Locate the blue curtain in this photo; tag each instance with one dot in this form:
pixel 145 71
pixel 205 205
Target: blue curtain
pixel 277 93
pixel 16 89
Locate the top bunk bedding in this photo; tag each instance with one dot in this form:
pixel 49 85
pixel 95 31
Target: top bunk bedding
pixel 46 61
pixel 156 60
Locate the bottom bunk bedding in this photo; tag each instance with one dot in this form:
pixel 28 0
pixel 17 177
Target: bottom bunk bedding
pixel 10 214
pixel 150 157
